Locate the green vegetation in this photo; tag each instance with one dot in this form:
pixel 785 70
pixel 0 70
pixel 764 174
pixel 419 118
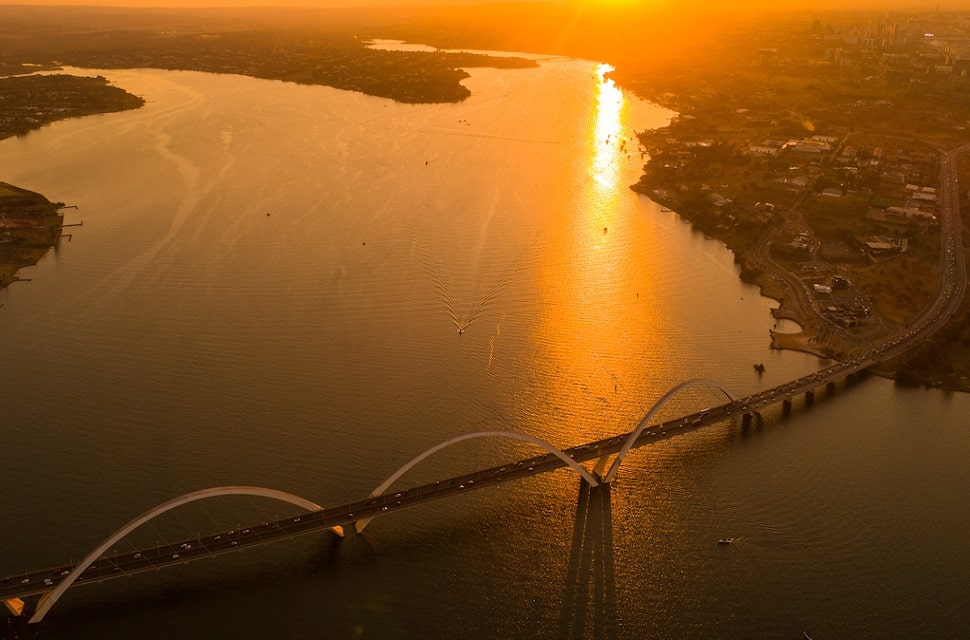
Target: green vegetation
pixel 837 218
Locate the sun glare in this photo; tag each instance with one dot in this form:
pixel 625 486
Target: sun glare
pixel 622 3
pixel 597 278
pixel 607 130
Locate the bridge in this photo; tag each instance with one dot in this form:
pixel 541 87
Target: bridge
pixel 35 592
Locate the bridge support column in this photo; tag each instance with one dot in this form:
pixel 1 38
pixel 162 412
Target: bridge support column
pixel 600 469
pixel 786 406
pixel 746 420
pixel 830 389
pixel 809 398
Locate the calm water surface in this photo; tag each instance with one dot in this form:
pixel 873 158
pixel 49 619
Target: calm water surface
pixel 268 290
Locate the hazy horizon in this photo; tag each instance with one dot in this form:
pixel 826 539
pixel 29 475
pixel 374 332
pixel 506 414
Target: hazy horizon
pixel 692 7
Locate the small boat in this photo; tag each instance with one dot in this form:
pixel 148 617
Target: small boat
pixel 725 540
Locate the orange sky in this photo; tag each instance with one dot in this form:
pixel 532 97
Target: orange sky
pixel 691 5
pixel 241 3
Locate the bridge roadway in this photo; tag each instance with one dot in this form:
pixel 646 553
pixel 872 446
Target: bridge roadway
pixel 953 279
pixel 35 583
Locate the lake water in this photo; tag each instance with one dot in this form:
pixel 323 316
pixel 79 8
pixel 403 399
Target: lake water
pixel 268 290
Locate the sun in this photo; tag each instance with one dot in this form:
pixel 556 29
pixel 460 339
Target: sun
pixel 620 4
pixel 592 4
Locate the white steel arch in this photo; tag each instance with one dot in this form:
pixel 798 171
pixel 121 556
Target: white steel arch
pixel 615 467
pixel 380 489
pixel 52 596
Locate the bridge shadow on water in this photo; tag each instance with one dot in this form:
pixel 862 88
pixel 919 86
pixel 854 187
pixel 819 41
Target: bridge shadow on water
pixel 589 596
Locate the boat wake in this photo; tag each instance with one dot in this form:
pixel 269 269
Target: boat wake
pixel 464 310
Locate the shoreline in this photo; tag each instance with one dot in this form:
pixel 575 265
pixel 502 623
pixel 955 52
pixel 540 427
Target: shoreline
pixel 30 225
pixel 815 336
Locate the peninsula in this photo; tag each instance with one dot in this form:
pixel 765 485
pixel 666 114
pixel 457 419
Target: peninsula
pixel 30 224
pixel 307 47
pixel 31 101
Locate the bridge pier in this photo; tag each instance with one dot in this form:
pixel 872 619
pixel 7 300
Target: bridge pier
pixel 600 469
pixel 830 389
pixel 809 398
pixel 751 416
pixel 748 419
pixel 786 406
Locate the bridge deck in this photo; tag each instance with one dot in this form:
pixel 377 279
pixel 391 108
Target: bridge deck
pixel 35 583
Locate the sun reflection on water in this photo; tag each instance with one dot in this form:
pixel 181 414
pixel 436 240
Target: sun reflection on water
pixel 596 335
pixel 608 143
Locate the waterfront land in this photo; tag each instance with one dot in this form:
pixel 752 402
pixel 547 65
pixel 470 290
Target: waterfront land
pixel 809 143
pixel 296 46
pixel 814 153
pixel 30 225
pixel 30 101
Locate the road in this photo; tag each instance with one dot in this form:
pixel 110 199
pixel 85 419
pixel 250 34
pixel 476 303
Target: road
pixel 35 583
